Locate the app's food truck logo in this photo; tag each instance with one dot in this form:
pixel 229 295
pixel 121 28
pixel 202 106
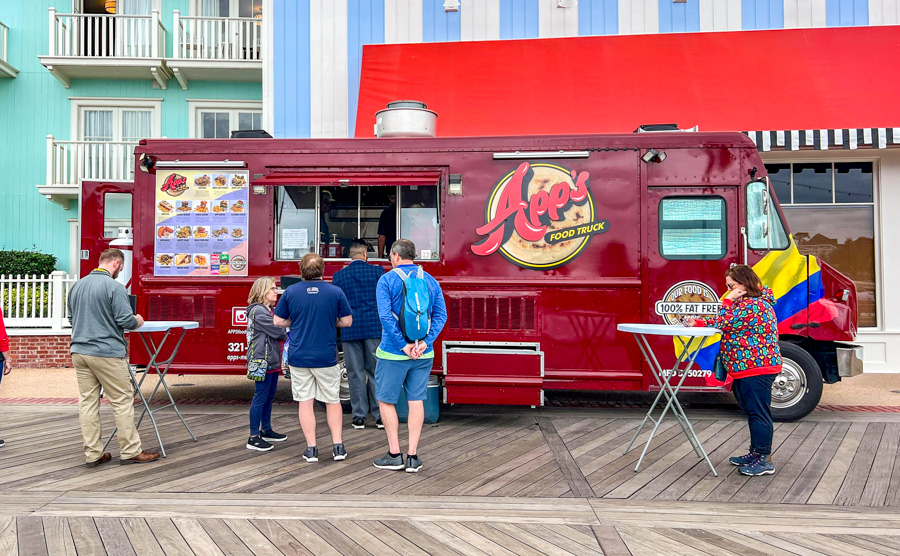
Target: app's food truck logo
pixel 539 216
pixel 174 185
pixel 687 298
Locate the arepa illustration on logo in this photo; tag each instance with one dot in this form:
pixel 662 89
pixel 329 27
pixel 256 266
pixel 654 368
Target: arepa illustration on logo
pixel 539 216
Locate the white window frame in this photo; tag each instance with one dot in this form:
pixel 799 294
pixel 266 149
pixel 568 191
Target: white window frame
pixel 78 6
pixel 76 130
pixel 196 106
pixel 876 209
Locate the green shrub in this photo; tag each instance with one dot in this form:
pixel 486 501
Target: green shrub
pixel 21 263
pixel 26 300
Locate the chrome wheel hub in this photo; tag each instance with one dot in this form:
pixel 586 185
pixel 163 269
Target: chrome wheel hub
pixel 789 386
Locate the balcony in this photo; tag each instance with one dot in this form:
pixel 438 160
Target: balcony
pixel 69 162
pixel 6 70
pixel 215 49
pixel 95 46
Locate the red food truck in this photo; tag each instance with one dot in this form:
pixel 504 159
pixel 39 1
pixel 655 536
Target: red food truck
pixel 542 244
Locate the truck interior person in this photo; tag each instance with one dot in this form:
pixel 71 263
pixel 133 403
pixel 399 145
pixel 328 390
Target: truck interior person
pixel 5 360
pixel 314 309
pixel 264 345
pixel 100 313
pixel 750 353
pixel 387 226
pixel 358 280
pixel 412 312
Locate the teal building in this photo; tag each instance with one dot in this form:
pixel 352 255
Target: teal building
pixel 82 81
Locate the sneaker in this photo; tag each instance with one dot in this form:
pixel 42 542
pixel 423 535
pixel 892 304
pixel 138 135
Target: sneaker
pixel 359 423
pixel 387 462
pixel 257 443
pixel 311 454
pixel 272 436
pixel 2 443
pixel 413 464
pixel 339 452
pixel 740 461
pixel 379 424
pixel 762 465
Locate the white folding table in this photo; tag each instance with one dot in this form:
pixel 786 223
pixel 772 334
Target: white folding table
pixel 160 368
pixel 686 336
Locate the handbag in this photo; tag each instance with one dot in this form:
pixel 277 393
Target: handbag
pixel 719 371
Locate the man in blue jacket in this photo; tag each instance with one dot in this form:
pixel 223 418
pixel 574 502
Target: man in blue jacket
pixel 358 281
pixel 401 363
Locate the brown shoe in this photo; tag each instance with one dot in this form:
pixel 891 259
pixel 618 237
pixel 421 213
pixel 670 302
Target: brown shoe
pixel 143 457
pixel 103 459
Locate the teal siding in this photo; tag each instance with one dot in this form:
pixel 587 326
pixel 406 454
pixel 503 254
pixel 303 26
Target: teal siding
pixel 35 104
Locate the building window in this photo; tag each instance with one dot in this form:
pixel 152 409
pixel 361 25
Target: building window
pixel 692 228
pixel 815 196
pixel 217 119
pixel 348 214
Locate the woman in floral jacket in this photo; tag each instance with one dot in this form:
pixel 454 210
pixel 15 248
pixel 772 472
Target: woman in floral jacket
pixel 750 353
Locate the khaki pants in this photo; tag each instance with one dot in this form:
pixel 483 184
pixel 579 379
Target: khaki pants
pixel 112 374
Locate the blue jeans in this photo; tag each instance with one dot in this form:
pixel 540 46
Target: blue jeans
pixel 261 406
pixel 754 393
pixel 359 355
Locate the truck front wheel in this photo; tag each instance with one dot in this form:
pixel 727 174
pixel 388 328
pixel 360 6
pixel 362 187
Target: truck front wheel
pixel 798 388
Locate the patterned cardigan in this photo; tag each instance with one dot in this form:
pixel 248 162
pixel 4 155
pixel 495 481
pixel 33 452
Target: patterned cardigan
pixel 749 328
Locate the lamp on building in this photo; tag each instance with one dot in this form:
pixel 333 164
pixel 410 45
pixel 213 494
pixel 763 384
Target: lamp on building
pixel 110 6
pixel 451 5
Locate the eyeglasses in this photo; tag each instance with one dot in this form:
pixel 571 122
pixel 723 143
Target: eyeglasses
pixel 273 289
pixel 730 286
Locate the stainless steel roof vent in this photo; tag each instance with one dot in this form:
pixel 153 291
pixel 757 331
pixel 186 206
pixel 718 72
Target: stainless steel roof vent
pixel 405 118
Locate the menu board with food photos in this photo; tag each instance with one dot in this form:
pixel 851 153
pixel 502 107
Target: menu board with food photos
pixel 201 223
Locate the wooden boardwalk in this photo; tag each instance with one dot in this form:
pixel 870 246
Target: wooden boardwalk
pixel 494 482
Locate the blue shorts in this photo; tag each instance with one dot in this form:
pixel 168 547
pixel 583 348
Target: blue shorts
pixel 412 374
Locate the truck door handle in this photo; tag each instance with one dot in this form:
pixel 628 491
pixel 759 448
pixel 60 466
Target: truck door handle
pixel 810 325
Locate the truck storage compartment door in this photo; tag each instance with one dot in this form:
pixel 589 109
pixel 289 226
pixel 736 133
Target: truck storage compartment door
pixel 503 374
pixel 104 207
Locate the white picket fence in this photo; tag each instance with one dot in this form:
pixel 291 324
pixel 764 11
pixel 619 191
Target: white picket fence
pixel 36 302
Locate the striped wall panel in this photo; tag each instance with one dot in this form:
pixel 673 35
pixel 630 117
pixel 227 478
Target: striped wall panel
pixel 554 21
pixel 518 19
pixel 328 68
pixel 720 15
pixel 825 139
pixel 638 17
pixel 884 12
pixel 402 21
pixel 845 13
pixel 762 14
pixel 438 25
pixel 365 25
pixel 804 13
pixel 290 60
pixel 479 20
pixel 598 17
pixel 679 18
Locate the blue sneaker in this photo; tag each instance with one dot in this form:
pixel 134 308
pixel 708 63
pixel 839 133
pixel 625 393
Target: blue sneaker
pixel 740 461
pixel 762 465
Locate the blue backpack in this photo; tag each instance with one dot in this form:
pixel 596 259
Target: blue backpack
pixel 415 310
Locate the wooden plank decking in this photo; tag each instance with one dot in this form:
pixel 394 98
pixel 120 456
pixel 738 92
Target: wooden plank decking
pixel 494 482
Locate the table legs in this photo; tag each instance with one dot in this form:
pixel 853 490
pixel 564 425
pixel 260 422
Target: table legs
pixel 161 368
pixel 671 395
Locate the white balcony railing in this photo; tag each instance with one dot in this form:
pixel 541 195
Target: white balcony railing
pixel 94 35
pixel 4 47
pixel 70 161
pixel 216 38
pixel 36 302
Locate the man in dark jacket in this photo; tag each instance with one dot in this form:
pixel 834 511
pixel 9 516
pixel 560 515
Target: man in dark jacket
pixel 358 281
pixel 100 313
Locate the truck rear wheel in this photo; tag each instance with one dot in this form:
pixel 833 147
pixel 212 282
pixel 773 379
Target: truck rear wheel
pixel 798 388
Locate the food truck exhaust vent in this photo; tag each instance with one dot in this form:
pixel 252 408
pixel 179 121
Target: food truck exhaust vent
pixel 405 118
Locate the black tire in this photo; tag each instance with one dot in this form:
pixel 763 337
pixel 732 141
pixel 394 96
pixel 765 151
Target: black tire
pixel 798 389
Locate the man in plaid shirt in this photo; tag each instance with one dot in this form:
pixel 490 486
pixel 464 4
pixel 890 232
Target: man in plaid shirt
pixel 358 281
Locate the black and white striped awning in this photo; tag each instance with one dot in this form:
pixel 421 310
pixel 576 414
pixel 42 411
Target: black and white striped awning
pixel 824 139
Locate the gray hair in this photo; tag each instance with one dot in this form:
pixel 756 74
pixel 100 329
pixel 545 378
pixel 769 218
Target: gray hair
pixel 405 249
pixel 358 250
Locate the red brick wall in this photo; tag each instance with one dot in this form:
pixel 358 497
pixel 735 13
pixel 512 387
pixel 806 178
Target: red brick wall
pixel 40 352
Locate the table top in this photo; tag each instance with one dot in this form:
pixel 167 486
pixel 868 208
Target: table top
pixel 164 325
pixel 667 330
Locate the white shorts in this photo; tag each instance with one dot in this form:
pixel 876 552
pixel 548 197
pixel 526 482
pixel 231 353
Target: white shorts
pixel 321 383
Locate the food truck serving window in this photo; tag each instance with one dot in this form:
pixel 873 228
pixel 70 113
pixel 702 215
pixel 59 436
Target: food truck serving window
pixel 328 219
pixel 692 228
